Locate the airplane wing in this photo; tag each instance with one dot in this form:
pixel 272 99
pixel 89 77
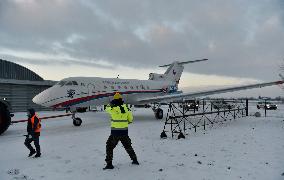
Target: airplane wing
pixel 177 97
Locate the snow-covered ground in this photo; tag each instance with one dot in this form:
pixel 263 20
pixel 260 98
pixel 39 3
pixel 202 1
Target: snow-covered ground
pixel 247 148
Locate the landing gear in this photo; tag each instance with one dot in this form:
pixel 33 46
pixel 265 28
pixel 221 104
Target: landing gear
pixel 159 113
pixel 76 121
pixel 5 118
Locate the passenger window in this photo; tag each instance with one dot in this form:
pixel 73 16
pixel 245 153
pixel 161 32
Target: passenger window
pixel 137 87
pixel 131 87
pixel 125 87
pixel 105 87
pixel 75 83
pixel 119 87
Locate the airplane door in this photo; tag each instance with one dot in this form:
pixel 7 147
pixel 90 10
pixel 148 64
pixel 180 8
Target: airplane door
pixel 97 93
pixel 91 89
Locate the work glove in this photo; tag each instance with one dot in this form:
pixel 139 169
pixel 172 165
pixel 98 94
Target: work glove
pixel 28 136
pixel 32 135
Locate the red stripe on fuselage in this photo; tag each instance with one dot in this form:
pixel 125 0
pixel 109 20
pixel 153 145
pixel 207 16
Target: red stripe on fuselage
pixel 89 98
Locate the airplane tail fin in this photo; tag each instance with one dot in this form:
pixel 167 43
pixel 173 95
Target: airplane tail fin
pixel 173 73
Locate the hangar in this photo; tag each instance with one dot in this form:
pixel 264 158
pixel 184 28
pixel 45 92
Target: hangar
pixel 18 85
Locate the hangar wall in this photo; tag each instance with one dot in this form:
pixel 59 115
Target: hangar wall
pixel 18 85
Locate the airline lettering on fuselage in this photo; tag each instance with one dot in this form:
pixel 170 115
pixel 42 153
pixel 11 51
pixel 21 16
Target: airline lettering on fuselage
pixel 115 82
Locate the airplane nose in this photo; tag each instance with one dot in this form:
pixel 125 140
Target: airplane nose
pixel 40 99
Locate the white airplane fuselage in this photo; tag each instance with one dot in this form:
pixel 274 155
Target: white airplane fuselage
pixel 76 92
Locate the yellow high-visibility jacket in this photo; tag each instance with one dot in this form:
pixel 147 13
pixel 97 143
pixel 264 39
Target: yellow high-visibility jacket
pixel 119 120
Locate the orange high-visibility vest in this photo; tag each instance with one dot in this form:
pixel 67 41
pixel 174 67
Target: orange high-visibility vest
pixel 38 128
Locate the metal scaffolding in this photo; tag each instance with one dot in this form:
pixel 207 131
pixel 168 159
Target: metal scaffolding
pixel 184 116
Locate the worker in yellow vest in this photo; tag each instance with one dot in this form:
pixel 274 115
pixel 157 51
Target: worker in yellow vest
pixel 121 116
pixel 33 130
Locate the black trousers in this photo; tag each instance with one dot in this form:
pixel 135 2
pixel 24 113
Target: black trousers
pixel 34 139
pixel 112 142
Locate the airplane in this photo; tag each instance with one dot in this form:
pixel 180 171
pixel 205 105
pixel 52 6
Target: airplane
pixel 77 93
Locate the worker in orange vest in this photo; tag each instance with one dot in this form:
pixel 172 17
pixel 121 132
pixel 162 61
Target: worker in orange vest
pixel 33 130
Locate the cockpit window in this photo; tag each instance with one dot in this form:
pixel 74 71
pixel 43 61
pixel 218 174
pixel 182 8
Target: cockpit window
pixel 61 83
pixel 69 83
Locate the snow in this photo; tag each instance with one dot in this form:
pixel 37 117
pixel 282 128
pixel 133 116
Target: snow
pixel 246 148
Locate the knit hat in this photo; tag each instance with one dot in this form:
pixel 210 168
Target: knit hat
pixel 117 96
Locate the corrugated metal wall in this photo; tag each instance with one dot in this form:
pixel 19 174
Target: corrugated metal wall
pixel 10 70
pixel 20 96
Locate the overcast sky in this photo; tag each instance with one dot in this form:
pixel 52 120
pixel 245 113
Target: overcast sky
pixel 243 40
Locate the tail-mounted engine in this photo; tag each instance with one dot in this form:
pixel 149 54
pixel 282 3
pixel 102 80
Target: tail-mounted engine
pixel 156 77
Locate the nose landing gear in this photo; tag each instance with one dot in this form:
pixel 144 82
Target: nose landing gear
pixel 76 121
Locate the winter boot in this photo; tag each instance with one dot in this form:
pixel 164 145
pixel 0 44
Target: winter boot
pixel 135 162
pixel 37 155
pixel 108 166
pixel 32 153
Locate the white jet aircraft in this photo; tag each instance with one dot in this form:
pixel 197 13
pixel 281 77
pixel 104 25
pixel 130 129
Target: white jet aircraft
pixel 75 93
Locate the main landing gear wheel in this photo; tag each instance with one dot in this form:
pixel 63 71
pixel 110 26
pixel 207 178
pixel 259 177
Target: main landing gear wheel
pixel 159 113
pixel 5 118
pixel 77 121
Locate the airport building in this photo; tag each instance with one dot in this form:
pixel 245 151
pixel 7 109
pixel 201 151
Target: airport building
pixel 18 85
